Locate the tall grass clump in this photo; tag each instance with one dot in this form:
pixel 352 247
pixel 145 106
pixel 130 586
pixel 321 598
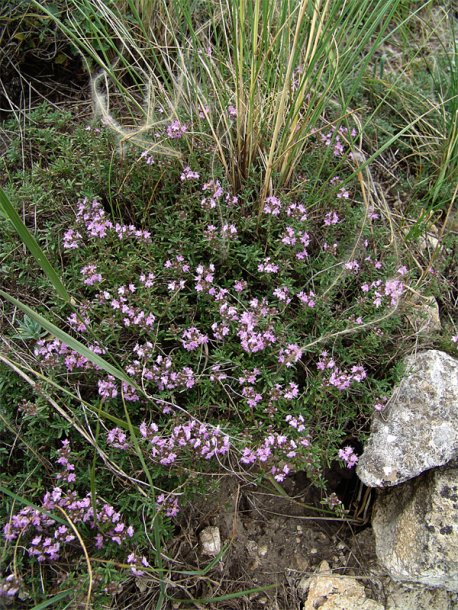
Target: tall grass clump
pixel 258 79
pixel 226 292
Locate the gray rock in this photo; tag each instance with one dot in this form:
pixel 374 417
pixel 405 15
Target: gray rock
pixel 329 592
pixel 416 530
pixel 418 430
pixel 416 597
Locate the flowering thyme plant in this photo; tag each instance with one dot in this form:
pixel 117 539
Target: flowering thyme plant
pixel 229 319
pixel 247 342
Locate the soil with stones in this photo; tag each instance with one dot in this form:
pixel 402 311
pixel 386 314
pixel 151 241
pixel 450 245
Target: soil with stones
pixel 273 542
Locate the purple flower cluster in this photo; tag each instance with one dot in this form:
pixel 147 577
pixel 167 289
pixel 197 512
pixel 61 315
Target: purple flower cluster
pixel 169 504
pixel 117 438
pixel 191 437
pixel 297 237
pixel 307 299
pixel 91 277
pixel 54 351
pixel 331 218
pixel 347 454
pixel 92 222
pixel 215 195
pixel 252 338
pixel 161 371
pixel 137 563
pixel 272 206
pixel 267 267
pixel 232 112
pixel 298 423
pixel 10 586
pixel 189 174
pixel 248 381
pixel 48 537
pixel 204 277
pixel 282 293
pixel 215 190
pixel 388 290
pixel 149 159
pixel 380 404
pixel 192 339
pixel 290 354
pixel 120 306
pixel 275 447
pixel 176 129
pixel 179 270
pixel 297 211
pixel 80 324
pixel 204 111
pixel 68 474
pixel 338 378
pixel 334 138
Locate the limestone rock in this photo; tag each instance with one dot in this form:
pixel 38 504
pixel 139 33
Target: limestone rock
pixel 210 541
pixel 415 597
pixel 416 530
pixel 329 592
pixel 418 430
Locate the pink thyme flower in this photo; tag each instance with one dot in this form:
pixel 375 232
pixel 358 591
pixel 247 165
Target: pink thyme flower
pixel 352 265
pixel 192 338
pixel 240 286
pixel 343 193
pixel 307 299
pixel 216 192
pixel 272 206
pixel 107 387
pixel 298 423
pixel 188 174
pixel 80 324
pixel 176 130
pixel 267 267
pixel 137 563
pixel 169 504
pixel 297 211
pixel 290 354
pixel 282 294
pixel 149 160
pixel 117 438
pixel 72 239
pixel 91 276
pixel 204 111
pixel 331 218
pixel 348 456
pixel 381 403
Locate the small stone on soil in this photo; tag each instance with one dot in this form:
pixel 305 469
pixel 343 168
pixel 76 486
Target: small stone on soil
pixel 210 541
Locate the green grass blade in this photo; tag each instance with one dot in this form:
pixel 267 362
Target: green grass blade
pixel 31 244
pixel 70 341
pixel 228 596
pixel 54 599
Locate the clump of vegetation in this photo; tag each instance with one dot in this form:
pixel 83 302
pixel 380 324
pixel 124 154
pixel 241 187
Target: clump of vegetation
pixel 231 288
